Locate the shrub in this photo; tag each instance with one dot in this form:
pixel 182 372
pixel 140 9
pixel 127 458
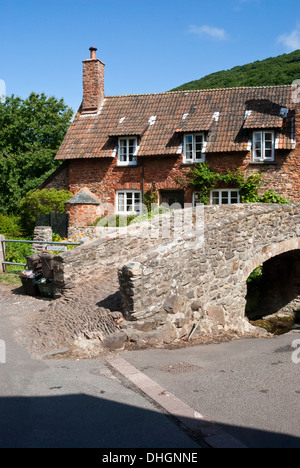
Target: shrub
pixel 15 252
pixel 10 226
pixel 272 197
pixel 41 202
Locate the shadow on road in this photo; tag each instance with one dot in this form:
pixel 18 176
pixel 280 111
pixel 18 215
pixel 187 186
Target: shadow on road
pixel 82 421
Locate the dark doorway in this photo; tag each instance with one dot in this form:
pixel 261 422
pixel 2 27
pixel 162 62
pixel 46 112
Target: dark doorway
pixel 172 197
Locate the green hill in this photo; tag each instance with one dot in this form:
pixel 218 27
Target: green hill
pixel 281 70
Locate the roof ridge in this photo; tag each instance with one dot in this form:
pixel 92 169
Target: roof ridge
pixel 198 90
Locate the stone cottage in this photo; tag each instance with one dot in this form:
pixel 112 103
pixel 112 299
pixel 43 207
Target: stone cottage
pixel 119 147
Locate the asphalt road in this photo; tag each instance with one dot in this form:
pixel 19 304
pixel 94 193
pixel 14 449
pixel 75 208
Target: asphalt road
pixel 250 388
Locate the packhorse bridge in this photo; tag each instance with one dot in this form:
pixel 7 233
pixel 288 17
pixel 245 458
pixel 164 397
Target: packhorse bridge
pixel 173 286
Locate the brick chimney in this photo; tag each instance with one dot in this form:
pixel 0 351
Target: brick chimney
pixel 93 83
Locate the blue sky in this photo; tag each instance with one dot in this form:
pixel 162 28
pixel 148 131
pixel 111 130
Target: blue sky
pixel 147 46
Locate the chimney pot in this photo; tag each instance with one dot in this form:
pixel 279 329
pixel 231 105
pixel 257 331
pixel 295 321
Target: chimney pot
pixel 93 52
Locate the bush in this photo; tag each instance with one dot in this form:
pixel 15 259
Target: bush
pixel 41 202
pixel 17 253
pixel 272 197
pixel 10 226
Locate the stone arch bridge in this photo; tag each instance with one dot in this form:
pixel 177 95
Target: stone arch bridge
pixel 171 285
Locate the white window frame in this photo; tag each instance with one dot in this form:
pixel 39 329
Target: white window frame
pixel 127 154
pixel 263 157
pixel 194 159
pixel 229 191
pixel 134 196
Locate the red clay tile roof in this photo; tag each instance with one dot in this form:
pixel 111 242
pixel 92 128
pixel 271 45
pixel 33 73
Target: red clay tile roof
pixel 159 119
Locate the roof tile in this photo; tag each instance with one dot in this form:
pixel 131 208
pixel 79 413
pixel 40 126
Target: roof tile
pixel 95 136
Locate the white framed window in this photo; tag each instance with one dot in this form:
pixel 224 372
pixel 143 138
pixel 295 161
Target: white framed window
pixel 129 202
pixel 127 150
pixel 263 146
pixel 194 146
pixel 224 196
pixel 197 199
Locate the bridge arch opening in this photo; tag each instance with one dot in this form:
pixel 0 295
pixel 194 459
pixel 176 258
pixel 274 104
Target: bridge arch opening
pixel 273 293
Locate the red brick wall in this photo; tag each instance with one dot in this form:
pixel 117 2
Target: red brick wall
pixel 81 215
pixel 59 180
pixel 103 177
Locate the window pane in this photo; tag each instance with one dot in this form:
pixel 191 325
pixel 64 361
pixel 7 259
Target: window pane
pixel 258 137
pixel 189 147
pixel 198 146
pixel 137 202
pixel 258 145
pixel 258 153
pixel 234 197
pixel 131 147
pixel 268 149
pixel 215 198
pixel 129 201
pixel 123 150
pixel 268 154
pixel 121 201
pixel 269 136
pixel 225 199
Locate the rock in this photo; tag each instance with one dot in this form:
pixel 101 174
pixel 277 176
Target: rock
pixel 173 304
pixel 217 314
pixel 196 305
pixel 115 341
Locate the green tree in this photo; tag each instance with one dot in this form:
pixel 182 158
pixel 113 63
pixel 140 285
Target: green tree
pixel 41 202
pixel 31 131
pixel 281 70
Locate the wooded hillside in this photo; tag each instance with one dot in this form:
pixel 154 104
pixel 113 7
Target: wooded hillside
pixel 281 70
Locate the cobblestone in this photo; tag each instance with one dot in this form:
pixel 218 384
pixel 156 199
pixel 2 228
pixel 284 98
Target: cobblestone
pixel 85 316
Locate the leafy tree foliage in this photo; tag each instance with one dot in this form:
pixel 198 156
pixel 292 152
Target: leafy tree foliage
pixel 31 131
pixel 281 70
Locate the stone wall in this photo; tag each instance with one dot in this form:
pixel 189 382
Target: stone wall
pixel 118 245
pixel 183 286
pixel 42 234
pixel 177 282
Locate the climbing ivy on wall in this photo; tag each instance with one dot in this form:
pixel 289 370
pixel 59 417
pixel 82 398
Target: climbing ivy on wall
pixel 203 179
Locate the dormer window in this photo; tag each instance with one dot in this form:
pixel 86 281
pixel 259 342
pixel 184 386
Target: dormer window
pixel 127 151
pixel 263 146
pixel 194 148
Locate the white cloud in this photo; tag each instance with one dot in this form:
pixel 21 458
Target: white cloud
pixel 292 40
pixel 211 31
